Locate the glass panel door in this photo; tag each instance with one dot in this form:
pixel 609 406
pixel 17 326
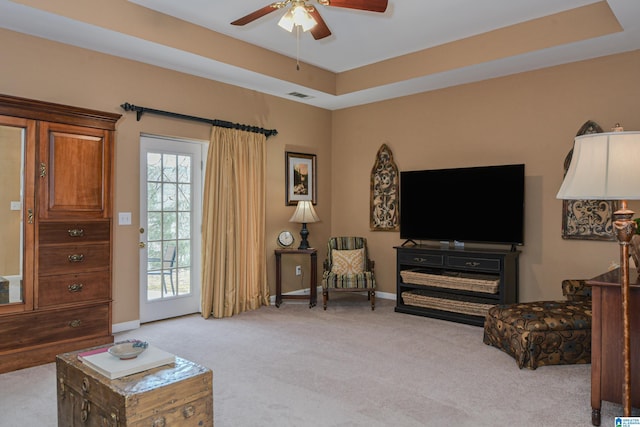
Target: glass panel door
pixel 171 178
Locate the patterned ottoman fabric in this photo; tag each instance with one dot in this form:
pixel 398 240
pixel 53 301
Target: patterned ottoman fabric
pixel 542 333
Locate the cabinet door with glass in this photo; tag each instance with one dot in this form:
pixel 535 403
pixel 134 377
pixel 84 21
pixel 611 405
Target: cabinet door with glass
pixel 17 213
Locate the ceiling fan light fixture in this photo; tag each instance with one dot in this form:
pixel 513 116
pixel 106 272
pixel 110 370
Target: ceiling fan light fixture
pixel 297 15
pixel 286 22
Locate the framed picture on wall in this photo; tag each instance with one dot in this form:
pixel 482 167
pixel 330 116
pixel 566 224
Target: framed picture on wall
pixel 300 178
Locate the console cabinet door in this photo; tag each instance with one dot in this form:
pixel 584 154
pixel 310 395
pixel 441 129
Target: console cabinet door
pixel 74 171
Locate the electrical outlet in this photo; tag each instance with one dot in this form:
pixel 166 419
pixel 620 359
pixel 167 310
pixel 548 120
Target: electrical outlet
pixel 298 270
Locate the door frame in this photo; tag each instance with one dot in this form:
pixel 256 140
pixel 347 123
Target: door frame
pixel 177 305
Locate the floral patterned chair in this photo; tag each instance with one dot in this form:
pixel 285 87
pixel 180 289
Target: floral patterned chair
pixel 545 332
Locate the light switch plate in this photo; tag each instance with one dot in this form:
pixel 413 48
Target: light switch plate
pixel 16 206
pixel 124 218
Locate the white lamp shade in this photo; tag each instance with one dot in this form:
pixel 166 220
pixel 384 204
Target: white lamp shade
pixel 298 15
pixel 304 213
pixel 286 22
pixel 604 166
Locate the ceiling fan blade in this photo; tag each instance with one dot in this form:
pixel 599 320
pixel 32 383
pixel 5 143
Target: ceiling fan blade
pixel 255 15
pixel 370 5
pixel 320 30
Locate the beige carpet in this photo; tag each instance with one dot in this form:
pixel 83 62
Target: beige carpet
pixel 347 366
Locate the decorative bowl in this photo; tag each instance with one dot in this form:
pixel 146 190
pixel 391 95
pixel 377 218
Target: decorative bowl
pixel 130 349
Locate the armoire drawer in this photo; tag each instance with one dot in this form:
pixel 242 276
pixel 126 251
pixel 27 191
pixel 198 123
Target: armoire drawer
pixel 47 326
pixel 74 232
pixel 72 288
pixel 73 258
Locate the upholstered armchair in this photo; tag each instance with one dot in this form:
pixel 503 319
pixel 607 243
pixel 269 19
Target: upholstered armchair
pixel 348 269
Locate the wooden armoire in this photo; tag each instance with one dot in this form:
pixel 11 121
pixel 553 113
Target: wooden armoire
pixel 58 219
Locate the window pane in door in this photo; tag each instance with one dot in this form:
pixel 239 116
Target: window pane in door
pixel 169 196
pixel 184 225
pixel 169 168
pixel 154 196
pixel 184 197
pixel 169 226
pixel 154 223
pixel 154 166
pixel 169 221
pixel 184 169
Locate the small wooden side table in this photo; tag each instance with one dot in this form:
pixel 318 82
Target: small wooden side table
pixel 313 294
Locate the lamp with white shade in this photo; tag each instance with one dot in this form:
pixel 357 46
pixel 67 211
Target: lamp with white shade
pixel 606 166
pixel 304 215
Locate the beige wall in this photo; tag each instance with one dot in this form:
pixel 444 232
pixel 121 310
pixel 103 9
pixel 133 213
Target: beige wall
pixel 529 118
pixel 39 69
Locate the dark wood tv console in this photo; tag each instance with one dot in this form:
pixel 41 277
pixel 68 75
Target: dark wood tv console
pixel 455 284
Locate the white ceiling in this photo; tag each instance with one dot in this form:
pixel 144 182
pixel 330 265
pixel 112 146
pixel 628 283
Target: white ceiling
pixel 359 38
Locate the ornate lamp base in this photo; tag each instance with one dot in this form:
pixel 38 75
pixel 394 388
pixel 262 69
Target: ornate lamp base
pixel 304 244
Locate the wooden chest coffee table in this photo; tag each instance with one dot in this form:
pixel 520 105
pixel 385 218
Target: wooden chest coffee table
pixel 179 394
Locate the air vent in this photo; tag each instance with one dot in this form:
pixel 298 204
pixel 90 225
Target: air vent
pixel 299 95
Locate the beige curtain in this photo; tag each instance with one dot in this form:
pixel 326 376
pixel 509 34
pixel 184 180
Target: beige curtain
pixel 234 277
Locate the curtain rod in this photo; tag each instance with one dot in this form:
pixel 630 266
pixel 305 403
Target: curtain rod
pixel 214 122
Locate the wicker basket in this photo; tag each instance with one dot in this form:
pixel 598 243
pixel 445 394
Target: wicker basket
pixel 464 307
pixel 460 281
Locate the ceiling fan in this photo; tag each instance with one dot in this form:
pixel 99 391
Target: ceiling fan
pixel 300 11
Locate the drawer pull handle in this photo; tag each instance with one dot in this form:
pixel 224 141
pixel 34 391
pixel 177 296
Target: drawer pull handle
pixel 418 259
pixel 76 258
pixel 86 385
pixel 76 287
pixel 75 323
pixel 472 263
pixel 76 232
pixel 85 410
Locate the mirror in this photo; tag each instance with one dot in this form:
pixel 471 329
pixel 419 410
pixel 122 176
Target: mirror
pixel 12 155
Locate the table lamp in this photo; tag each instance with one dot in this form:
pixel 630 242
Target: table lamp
pixel 606 166
pixel 304 214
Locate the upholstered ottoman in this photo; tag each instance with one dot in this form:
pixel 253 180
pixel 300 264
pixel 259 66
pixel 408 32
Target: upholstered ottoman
pixel 545 332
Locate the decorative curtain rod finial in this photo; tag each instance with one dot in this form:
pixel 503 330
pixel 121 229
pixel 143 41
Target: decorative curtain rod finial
pixel 130 107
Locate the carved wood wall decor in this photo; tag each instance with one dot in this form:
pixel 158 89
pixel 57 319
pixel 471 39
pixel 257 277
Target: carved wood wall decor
pixel 587 219
pixel 384 210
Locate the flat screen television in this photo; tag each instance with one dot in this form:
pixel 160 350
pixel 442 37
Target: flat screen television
pixel 477 204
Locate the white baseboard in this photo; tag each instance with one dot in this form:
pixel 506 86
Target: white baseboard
pixel 381 295
pixel 386 295
pixel 135 324
pixel 125 326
